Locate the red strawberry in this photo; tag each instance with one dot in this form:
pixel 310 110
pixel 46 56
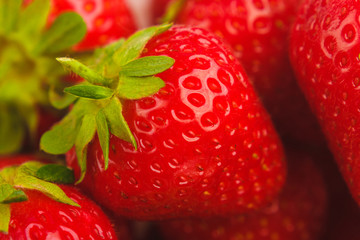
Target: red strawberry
pixel 258 33
pixel 201 145
pixel 298 214
pixel 34 215
pixel 325 54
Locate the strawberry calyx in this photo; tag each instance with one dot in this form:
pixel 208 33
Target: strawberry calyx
pixel 118 74
pixel 31 175
pixel 27 65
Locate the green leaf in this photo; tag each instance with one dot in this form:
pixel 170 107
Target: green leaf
pixel 25 179
pixel 12 131
pixel 68 29
pixel 8 194
pixel 60 138
pixel 83 71
pixel 9 14
pixel 117 123
pixel 4 217
pixel 147 66
pixel 135 44
pixel 173 10
pixel 60 101
pixel 55 173
pixel 138 87
pixel 34 17
pixel 104 136
pixel 85 135
pixel 90 91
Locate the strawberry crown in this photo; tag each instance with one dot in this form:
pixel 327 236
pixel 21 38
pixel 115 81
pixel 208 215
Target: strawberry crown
pixel 27 65
pixel 118 74
pixel 31 175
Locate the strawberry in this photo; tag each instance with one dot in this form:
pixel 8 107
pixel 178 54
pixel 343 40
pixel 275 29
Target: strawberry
pixel 258 31
pixel 188 135
pixel 29 209
pixel 106 20
pixel 297 214
pixel 325 55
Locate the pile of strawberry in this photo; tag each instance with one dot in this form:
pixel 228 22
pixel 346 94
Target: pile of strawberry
pixel 224 119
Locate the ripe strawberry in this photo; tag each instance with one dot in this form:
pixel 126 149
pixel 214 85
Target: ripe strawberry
pixel 197 142
pixel 34 214
pixel 325 55
pixel 298 213
pixel 258 33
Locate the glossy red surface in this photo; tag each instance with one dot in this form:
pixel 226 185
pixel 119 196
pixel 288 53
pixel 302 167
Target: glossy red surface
pixel 325 50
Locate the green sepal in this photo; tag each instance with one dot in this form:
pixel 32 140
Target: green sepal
pixel 61 137
pixel 59 101
pixel 147 66
pixel 135 44
pixel 86 134
pixel 34 17
pixel 83 71
pixel 103 59
pixel 12 130
pixel 55 173
pixel 104 136
pixel 90 91
pixel 138 87
pixel 9 194
pixel 9 13
pixel 25 178
pixel 173 10
pixel 4 217
pixel 68 29
pixel 117 123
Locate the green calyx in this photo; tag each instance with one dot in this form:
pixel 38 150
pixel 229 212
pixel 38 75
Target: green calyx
pixel 27 65
pixel 118 74
pixel 32 176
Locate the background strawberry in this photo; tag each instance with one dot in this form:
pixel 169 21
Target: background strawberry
pixel 35 214
pixel 258 31
pixel 201 145
pixel 324 52
pixel 106 20
pixel 297 214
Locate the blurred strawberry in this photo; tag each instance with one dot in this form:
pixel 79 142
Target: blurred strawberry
pixel 325 54
pixel 298 214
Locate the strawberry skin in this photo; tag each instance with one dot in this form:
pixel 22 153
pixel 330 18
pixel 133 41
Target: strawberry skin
pixel 325 54
pixel 297 214
pixel 205 144
pixel 258 31
pixel 41 217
